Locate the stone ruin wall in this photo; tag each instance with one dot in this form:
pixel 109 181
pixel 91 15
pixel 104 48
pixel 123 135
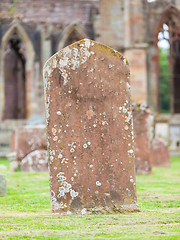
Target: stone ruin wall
pixel 127 26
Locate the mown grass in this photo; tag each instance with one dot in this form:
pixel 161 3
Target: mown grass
pixel 25 210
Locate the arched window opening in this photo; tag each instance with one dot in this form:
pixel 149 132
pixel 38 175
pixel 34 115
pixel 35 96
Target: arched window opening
pixel 73 37
pixel 164 69
pixel 71 34
pixel 14 78
pixel 175 66
pixel 169 70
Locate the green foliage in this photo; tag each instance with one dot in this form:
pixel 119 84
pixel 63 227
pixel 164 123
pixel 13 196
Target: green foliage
pixel 25 210
pixel 11 8
pixel 164 80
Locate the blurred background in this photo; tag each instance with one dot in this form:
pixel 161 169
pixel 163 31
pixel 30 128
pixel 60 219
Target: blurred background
pixel 146 32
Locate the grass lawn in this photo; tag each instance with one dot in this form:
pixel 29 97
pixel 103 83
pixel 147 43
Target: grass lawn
pixel 25 210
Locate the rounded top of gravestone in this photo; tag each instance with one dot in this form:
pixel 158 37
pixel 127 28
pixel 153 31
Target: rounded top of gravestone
pixel 35 119
pixel 93 60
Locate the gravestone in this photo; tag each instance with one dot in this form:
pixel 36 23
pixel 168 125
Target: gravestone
pixel 2 185
pixel 160 153
pixel 143 134
pixel 36 161
pixel 89 123
pixel 27 139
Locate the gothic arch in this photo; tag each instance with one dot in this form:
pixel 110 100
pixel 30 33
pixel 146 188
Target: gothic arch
pixel 154 71
pixel 16 26
pixel 171 11
pixel 74 31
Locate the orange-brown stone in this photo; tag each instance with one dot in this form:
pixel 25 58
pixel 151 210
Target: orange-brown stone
pixel 143 133
pixel 90 138
pixel 160 153
pixel 36 161
pixel 27 139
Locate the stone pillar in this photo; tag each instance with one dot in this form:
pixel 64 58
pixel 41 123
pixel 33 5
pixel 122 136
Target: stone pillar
pixel 46 49
pixel 112 22
pixel 137 62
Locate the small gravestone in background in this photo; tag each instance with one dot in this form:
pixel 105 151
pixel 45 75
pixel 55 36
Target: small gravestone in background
pixel 27 139
pixel 89 122
pixel 2 185
pixel 36 161
pixel 143 123
pixel 160 153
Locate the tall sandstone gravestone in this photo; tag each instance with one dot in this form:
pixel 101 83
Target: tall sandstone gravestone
pixel 89 123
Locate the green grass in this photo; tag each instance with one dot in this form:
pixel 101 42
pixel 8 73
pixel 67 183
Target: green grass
pixel 25 210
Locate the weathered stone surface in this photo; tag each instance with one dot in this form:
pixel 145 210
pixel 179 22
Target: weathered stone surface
pixel 160 153
pixel 36 161
pixel 14 164
pixel 2 185
pixel 143 134
pixel 27 139
pixel 89 122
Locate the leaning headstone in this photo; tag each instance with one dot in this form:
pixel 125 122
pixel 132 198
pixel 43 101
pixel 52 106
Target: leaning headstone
pixel 36 161
pixel 2 185
pixel 160 153
pixel 89 123
pixel 143 123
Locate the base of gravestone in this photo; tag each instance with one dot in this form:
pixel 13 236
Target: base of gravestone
pixel 126 208
pixel 3 191
pixel 102 210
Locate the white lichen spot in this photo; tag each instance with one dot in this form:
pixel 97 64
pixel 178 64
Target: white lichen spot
pixel 72 150
pixel 104 123
pixel 124 110
pixel 107 194
pixel 89 143
pixel 131 151
pixel 126 127
pixel 85 145
pixel 87 43
pixel 60 155
pixel 73 193
pixel 91 166
pixel 111 66
pixel 128 86
pixel 55 138
pixel 58 113
pixel 98 183
pixel 54 131
pixel 125 61
pixel 83 211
